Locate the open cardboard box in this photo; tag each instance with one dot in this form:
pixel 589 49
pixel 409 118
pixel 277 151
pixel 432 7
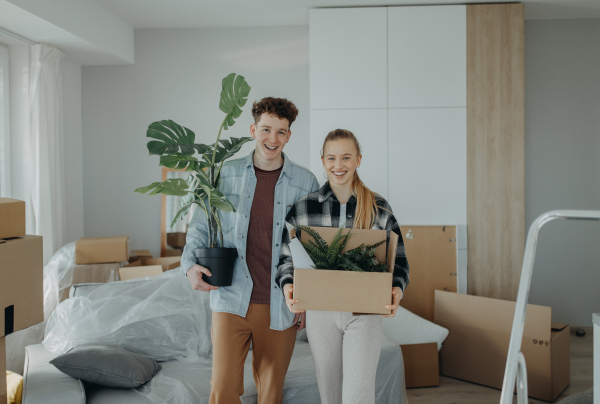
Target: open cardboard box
pixel 421 365
pixel 134 272
pixel 91 273
pixel 12 218
pixel 98 250
pixel 173 252
pixel 477 347
pixel 356 292
pixel 138 254
pixel 165 262
pixel 21 285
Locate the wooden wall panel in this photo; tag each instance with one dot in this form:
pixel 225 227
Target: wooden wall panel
pixel 495 149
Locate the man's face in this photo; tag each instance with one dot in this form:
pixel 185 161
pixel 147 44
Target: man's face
pixel 271 134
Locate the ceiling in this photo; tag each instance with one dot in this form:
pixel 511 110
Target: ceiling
pixel 245 13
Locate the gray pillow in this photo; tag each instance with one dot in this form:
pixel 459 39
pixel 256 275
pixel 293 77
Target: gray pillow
pixel 107 365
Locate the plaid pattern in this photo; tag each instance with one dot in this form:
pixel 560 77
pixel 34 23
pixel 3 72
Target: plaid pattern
pixel 322 209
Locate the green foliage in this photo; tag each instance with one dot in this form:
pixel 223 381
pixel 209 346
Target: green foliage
pixel 175 146
pixel 332 256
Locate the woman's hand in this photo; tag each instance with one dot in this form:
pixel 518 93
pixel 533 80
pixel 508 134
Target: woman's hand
pixel 288 292
pixel 396 297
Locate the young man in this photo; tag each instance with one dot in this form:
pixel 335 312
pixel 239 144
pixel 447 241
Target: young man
pixel 263 187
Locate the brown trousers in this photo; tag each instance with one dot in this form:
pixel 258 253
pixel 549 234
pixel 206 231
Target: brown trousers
pixel 271 355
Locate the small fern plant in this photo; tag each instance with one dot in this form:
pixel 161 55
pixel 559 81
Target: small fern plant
pixel 324 256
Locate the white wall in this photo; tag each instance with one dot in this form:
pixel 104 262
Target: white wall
pixel 177 75
pixel 562 162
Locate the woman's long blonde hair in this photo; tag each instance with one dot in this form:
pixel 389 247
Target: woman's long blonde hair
pixel 366 206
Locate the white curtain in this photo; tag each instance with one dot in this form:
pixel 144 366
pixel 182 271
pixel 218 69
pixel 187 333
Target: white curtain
pixel 46 145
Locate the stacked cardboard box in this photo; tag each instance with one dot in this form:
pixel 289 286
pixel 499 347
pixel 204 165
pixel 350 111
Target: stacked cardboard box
pixel 21 278
pixel 477 347
pixel 99 250
pixel 21 284
pixel 12 218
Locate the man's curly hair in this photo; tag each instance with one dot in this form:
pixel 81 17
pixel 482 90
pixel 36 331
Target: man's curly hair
pixel 279 107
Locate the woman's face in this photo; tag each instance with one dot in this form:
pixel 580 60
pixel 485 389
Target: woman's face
pixel 340 160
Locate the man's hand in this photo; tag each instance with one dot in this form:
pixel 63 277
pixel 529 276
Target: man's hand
pixel 396 297
pixel 288 292
pixel 300 321
pixel 194 275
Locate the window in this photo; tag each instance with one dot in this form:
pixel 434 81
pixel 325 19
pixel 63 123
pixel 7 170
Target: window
pixel 4 124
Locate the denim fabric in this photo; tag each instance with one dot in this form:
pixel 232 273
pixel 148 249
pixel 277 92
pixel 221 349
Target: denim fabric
pixel 238 182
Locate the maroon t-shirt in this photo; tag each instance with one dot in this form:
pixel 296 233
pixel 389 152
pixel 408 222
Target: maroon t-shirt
pixel 260 235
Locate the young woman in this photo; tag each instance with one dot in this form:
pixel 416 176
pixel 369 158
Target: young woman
pixel 345 347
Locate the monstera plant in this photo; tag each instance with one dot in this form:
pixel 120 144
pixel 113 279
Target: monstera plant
pixel 175 144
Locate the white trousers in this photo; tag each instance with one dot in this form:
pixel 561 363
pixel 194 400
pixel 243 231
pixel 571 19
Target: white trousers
pixel 345 350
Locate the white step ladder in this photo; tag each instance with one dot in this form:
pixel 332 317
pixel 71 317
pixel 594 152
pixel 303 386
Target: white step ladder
pixel 515 363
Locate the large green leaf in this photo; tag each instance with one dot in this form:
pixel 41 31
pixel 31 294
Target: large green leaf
pixel 234 95
pixel 180 162
pixel 173 138
pixel 173 186
pixel 229 147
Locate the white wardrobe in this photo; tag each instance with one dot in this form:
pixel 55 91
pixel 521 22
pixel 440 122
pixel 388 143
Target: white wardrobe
pixel 397 78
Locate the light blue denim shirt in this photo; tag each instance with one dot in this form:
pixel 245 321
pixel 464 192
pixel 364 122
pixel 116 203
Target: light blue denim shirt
pixel 238 182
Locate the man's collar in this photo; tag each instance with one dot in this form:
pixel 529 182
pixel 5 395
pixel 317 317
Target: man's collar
pixel 287 165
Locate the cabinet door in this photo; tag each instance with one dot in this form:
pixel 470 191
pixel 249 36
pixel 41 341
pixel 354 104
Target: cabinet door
pixel 427 59
pixel 428 165
pixel 370 128
pixel 348 58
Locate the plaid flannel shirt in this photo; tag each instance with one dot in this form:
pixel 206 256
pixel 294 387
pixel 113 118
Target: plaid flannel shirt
pixel 322 209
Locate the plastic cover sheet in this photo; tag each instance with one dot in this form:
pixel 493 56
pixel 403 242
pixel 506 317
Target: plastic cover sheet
pixel 167 321
pixel 57 278
pixel 163 319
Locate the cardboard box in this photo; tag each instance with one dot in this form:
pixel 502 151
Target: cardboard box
pixel 176 240
pixel 98 250
pixel 134 272
pixel 431 254
pixel 137 254
pixel 3 391
pixel 91 273
pixel 12 218
pixel 357 292
pixel 166 262
pixel 421 365
pixel 173 252
pixel 21 283
pixel 477 347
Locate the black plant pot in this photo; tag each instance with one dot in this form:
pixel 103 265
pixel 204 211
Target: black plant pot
pixel 220 262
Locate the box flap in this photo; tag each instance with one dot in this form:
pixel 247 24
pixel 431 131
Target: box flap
pixel 391 254
pixel 359 236
pixel 166 262
pixel 491 314
pixel 142 253
pixel 558 326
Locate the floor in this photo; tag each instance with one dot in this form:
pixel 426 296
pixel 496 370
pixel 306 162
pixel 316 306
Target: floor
pixel 454 391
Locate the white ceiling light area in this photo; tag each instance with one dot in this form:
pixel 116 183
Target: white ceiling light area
pixel 101 32
pixel 251 13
